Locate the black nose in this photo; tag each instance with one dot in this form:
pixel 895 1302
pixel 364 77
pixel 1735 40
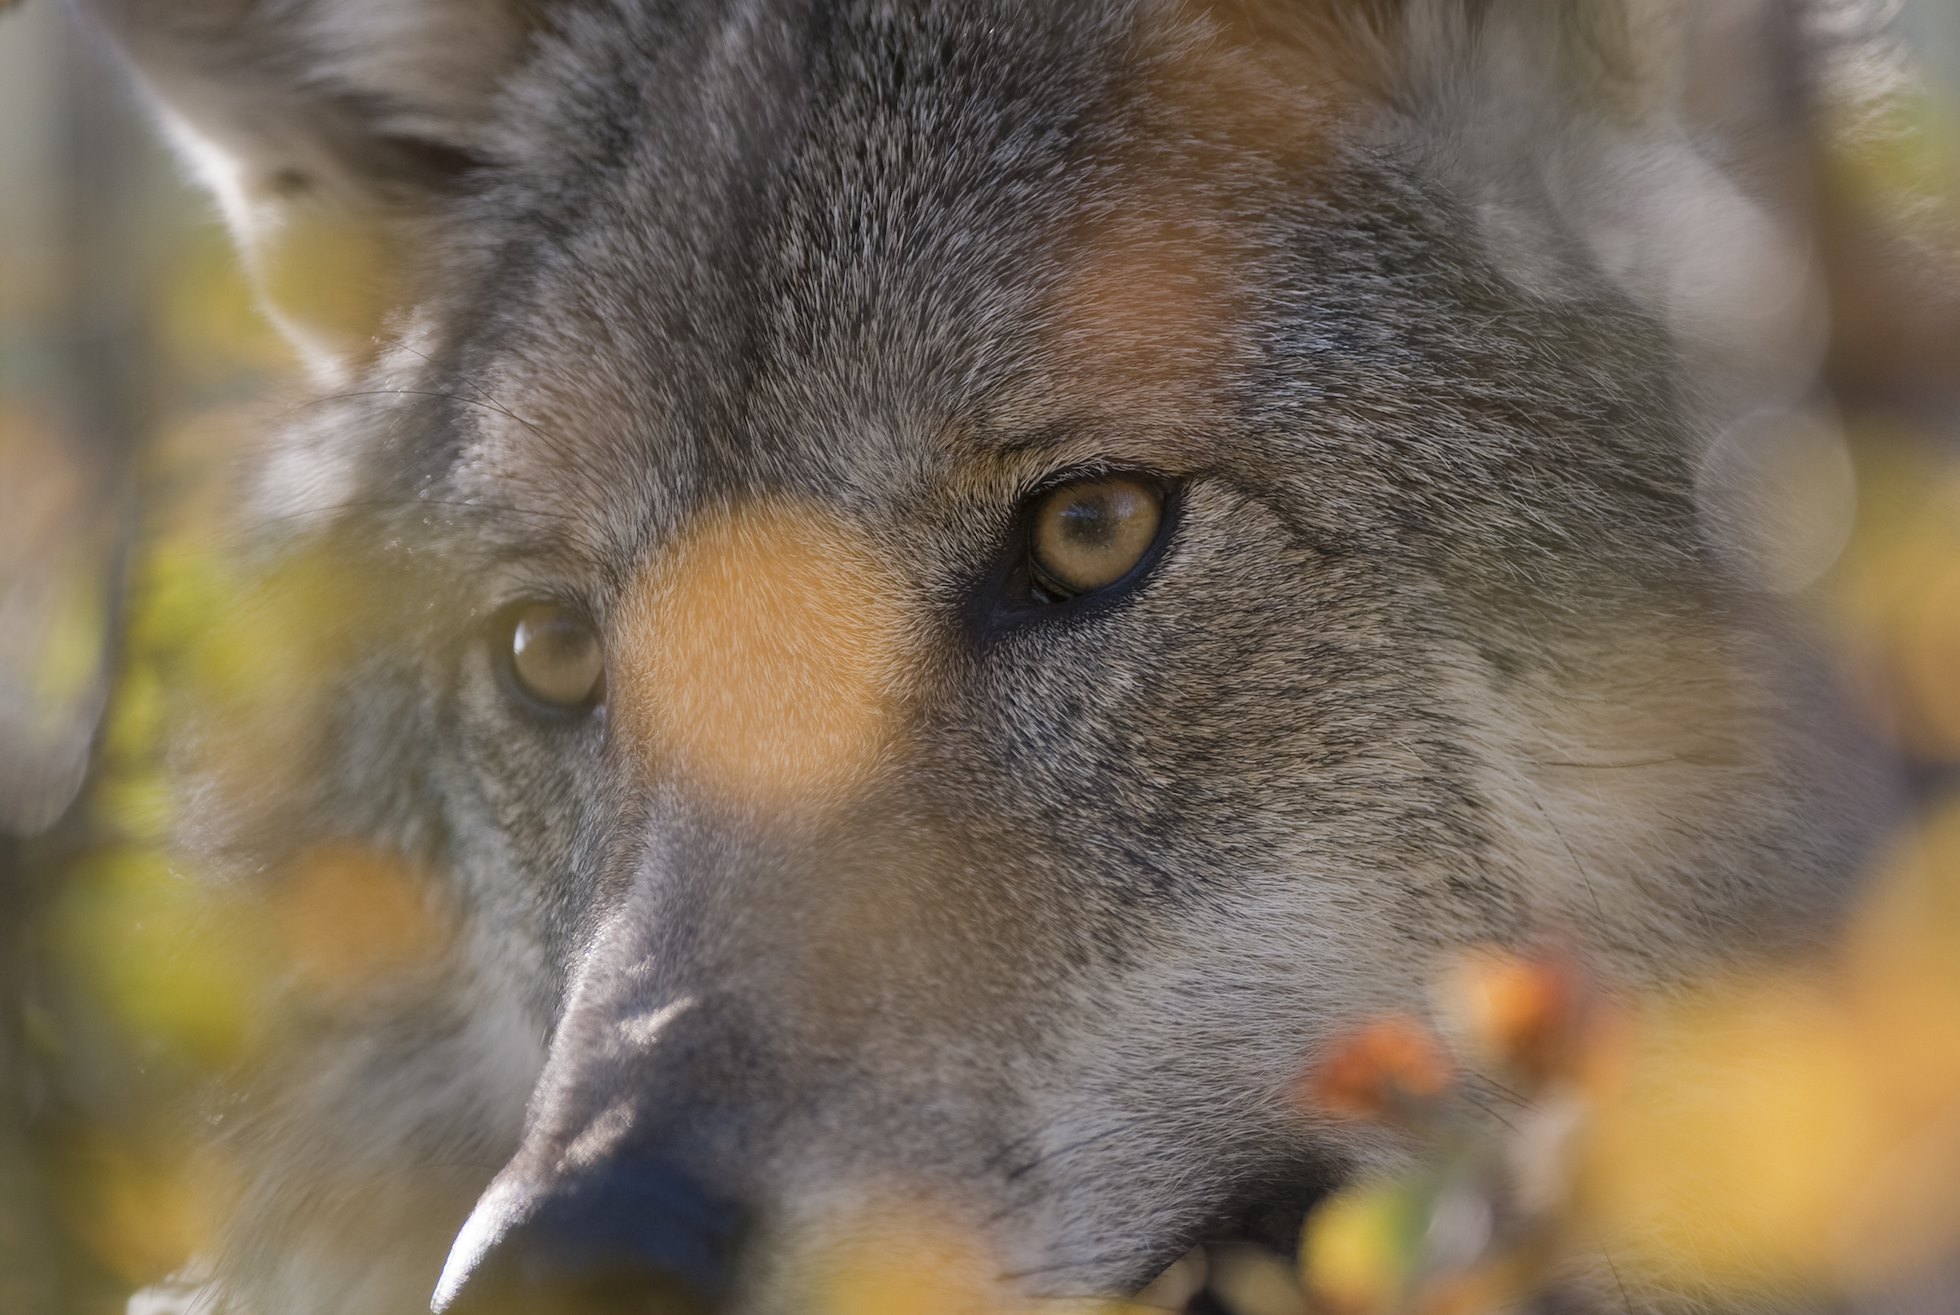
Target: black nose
pixel 626 1237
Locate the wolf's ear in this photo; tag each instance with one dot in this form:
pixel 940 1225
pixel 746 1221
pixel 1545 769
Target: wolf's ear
pixel 329 130
pixel 1664 143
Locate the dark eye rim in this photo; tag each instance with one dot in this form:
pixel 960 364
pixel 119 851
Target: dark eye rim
pixel 500 636
pixel 1011 595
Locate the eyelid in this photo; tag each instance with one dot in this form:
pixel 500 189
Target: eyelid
pixel 1034 490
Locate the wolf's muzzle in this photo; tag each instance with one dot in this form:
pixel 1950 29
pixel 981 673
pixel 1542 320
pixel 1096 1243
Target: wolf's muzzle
pixel 629 1236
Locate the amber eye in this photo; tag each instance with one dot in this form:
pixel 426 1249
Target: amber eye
pixel 1090 533
pixel 554 656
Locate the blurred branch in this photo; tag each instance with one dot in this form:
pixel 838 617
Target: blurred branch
pixel 75 355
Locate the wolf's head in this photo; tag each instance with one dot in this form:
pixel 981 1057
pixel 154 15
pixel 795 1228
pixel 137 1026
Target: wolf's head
pixel 944 591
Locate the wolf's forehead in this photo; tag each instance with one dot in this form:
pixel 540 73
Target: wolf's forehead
pixel 933 230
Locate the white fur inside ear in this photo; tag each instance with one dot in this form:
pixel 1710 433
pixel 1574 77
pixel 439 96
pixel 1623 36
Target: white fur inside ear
pixel 327 130
pixel 188 1293
pixel 330 340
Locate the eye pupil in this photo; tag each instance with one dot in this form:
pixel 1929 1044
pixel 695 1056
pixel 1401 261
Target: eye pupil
pixel 1091 533
pixel 1093 520
pixel 555 656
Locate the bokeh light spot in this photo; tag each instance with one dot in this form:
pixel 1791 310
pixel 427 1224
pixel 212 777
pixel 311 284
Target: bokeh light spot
pixel 763 654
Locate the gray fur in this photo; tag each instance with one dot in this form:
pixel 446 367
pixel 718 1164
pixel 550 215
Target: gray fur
pixel 1439 653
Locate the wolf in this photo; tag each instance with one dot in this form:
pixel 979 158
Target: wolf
pixel 932 596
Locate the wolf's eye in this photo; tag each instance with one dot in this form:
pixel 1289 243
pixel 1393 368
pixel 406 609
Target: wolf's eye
pixel 1090 533
pixel 554 656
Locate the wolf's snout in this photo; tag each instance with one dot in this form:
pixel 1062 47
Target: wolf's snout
pixel 632 1235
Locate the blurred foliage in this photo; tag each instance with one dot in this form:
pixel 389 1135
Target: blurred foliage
pixel 128 342
pixel 1793 1133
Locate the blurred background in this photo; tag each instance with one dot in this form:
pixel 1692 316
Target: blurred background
pixel 127 347
pixel 133 367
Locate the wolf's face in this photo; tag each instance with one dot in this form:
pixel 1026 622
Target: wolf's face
pixel 946 592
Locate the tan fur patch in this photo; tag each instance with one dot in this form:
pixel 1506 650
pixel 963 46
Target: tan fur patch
pixel 1279 65
pixel 1150 315
pixel 1231 110
pixel 762 655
